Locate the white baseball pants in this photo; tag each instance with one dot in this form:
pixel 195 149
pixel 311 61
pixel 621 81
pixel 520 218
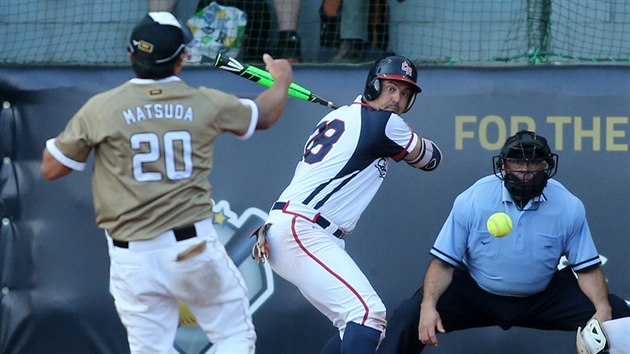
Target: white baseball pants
pixel 316 262
pixel 147 281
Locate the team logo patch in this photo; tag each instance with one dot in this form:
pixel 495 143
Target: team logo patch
pixel 233 231
pixel 381 166
pixel 406 68
pixel 145 46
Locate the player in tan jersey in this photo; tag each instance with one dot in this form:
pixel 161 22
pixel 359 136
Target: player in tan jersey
pixel 153 139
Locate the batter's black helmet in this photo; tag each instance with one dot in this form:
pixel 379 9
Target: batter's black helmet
pixel 397 68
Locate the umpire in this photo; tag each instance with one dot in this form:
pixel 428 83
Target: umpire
pixel 153 139
pixel 478 280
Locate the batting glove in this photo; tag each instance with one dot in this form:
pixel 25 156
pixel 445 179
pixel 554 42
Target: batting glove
pixel 260 251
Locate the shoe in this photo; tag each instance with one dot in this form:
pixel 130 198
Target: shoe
pixel 350 51
pixel 289 46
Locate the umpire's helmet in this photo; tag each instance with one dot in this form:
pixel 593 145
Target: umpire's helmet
pixel 526 145
pixel 397 68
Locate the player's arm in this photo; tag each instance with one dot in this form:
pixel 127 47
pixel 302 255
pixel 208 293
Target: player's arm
pixel 272 101
pixel 55 164
pixel 592 281
pixel 52 169
pixel 436 279
pixel 426 155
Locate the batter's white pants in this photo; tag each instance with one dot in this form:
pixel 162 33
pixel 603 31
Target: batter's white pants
pixel 316 262
pixel 147 281
pixel 618 332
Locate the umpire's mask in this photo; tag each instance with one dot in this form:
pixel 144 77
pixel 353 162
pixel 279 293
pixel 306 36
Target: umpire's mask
pixel 524 150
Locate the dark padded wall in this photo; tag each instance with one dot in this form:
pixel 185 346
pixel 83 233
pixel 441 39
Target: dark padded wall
pixel 54 266
pixel 54 259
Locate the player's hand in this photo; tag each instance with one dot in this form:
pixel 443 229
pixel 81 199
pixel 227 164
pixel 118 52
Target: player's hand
pixel 280 69
pixel 429 321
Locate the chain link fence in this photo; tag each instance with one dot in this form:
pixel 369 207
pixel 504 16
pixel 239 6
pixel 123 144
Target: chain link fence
pixel 73 32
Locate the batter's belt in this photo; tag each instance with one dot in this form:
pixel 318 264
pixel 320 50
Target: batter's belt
pixel 180 233
pixel 319 220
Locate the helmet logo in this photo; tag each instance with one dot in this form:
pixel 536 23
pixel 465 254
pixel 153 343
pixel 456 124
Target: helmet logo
pixel 406 68
pixel 144 46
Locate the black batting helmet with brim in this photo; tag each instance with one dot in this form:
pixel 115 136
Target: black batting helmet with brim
pixel 158 38
pixel 395 67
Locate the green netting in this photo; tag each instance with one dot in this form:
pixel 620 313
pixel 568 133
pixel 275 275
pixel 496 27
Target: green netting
pixel 428 31
pixel 595 31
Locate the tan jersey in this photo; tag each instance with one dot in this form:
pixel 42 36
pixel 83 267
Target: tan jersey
pixel 153 152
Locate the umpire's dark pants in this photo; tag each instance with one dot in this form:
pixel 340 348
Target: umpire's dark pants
pixel 561 306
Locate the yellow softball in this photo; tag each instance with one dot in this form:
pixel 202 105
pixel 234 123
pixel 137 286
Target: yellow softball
pixel 499 224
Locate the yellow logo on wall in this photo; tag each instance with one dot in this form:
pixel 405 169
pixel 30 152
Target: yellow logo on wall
pixel 571 133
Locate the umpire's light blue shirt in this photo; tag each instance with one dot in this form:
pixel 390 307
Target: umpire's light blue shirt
pixel 523 262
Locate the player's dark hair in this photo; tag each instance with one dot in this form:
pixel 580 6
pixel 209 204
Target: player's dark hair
pixel 151 71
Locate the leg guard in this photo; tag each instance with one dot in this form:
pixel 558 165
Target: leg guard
pixel 359 339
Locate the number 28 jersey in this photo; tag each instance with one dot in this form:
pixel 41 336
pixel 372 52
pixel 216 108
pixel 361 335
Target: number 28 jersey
pixel 153 143
pixel 345 161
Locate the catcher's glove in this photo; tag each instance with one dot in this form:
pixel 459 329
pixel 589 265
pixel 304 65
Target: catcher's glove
pixel 260 251
pixel 592 339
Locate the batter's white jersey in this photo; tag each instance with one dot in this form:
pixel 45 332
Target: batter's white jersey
pixel 345 161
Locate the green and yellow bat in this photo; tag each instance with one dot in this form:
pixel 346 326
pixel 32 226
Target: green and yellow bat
pixel 264 78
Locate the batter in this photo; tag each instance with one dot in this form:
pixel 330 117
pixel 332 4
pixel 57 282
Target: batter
pixel 343 164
